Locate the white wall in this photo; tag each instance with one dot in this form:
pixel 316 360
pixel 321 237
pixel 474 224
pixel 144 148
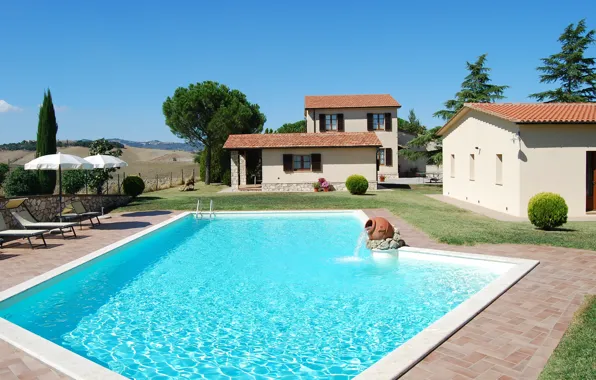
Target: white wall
pixel 355 121
pixel 492 136
pixel 337 164
pixel 554 159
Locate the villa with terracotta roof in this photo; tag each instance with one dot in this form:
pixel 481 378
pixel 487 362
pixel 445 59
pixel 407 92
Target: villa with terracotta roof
pixel 499 155
pixel 345 135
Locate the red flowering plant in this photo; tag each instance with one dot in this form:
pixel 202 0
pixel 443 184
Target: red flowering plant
pixel 324 184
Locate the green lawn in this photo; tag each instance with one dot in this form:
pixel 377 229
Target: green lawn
pixel 441 221
pixel 575 356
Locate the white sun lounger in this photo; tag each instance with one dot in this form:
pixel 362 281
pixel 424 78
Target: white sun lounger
pixel 28 222
pixel 25 234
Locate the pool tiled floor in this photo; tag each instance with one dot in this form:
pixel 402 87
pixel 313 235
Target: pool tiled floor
pixel 511 339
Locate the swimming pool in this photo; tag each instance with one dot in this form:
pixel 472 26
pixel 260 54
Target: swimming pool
pixel 248 295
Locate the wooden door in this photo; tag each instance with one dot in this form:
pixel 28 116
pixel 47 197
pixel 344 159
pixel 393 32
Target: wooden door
pixel 591 181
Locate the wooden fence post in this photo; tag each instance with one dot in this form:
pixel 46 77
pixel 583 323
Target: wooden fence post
pixel 156 182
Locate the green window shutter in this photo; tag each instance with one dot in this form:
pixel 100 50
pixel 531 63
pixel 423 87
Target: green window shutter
pixel 388 121
pixel 321 123
pixel 315 162
pixel 288 163
pixel 369 122
pixel 340 122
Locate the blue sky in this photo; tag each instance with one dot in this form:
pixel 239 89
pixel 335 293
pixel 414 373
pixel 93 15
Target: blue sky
pixel 111 64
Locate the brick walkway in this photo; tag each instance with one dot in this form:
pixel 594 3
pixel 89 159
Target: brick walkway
pixel 511 339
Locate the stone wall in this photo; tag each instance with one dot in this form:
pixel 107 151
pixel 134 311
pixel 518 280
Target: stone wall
pixel 307 187
pixel 45 207
pixel 234 169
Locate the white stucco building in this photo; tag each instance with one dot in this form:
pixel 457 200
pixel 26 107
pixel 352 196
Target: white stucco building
pixel 500 155
pixel 346 134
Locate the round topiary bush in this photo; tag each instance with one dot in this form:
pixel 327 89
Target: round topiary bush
pixel 21 182
pixel 547 211
pixel 133 186
pixel 357 184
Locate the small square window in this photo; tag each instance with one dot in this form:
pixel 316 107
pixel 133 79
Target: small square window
pixel 499 171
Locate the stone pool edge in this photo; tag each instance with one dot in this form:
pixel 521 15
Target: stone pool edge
pixel 405 357
pixel 75 365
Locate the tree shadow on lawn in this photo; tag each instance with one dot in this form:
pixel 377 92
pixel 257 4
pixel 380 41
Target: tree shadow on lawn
pixel 558 229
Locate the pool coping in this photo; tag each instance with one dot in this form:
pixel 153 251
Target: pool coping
pixel 393 365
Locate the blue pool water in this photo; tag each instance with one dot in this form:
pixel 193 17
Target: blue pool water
pixel 244 297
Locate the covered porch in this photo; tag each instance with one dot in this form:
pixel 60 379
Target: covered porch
pixel 246 169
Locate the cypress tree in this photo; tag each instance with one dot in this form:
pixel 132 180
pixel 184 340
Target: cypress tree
pixel 46 141
pixel 476 88
pixel 575 73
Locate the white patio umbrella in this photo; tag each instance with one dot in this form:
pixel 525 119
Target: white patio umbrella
pixel 104 161
pixel 59 162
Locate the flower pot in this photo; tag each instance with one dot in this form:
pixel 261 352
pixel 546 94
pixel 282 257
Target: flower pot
pixel 382 179
pixel 326 189
pixel 316 190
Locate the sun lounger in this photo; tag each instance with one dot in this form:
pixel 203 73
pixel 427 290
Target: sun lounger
pixel 80 213
pixel 25 234
pixel 28 222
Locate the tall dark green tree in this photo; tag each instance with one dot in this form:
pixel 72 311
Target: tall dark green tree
pixel 412 125
pixel 476 88
pixel 297 127
pixel 427 145
pixel 207 113
pixel 47 128
pixel 570 69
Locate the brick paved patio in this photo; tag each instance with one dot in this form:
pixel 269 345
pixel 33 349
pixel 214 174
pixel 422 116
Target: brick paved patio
pixel 511 339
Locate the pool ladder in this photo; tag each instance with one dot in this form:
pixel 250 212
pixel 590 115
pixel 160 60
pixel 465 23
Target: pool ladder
pixel 199 212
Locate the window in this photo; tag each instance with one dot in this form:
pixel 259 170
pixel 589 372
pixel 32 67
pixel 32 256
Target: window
pixel 378 121
pixel 452 168
pixel 499 172
pixel 385 156
pixel 381 156
pixel 472 167
pixel 301 163
pixel 331 122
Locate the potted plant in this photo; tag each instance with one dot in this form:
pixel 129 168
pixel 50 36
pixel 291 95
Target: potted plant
pixel 316 186
pixel 382 178
pixel 325 186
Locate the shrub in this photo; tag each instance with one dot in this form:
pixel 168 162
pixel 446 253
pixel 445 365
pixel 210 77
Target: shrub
pixel 21 182
pixel 357 184
pixel 547 211
pixel 73 181
pixel 4 169
pixel 226 179
pixel 133 186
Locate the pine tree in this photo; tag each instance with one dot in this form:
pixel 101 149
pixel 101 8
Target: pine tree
pixel 575 73
pixel 46 141
pixel 476 88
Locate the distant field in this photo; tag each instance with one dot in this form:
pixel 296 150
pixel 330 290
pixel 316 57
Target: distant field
pixel 144 161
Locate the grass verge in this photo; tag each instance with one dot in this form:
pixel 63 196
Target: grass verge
pixel 575 356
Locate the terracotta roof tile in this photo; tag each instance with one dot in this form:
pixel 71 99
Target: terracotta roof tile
pixel 297 140
pixel 540 112
pixel 350 101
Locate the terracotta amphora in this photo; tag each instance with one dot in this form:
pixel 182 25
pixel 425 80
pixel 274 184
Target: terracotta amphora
pixel 379 228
